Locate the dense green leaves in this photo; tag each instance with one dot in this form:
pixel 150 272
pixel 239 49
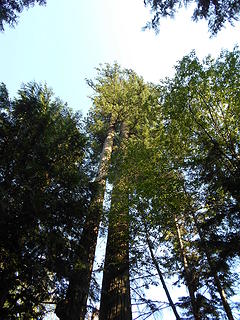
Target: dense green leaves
pixel 182 172
pixel 43 199
pixel 201 107
pixel 174 148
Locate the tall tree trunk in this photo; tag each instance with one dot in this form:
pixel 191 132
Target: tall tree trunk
pixel 74 305
pixel 187 273
pixel 213 270
pixel 154 260
pixel 115 295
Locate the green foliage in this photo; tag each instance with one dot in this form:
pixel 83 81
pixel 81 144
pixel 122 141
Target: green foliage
pixel 176 154
pixel 217 13
pixel 119 95
pixel 43 199
pixel 180 168
pixel 182 165
pixel 203 103
pixel 201 108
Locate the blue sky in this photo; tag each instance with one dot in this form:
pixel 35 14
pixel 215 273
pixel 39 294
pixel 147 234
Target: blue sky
pixel 63 42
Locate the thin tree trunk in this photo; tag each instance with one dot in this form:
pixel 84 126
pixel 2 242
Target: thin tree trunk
pixel 187 273
pixel 115 295
pixel 213 271
pixel 74 306
pixel 154 260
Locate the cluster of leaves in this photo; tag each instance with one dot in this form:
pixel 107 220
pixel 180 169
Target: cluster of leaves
pixel 203 101
pixel 184 177
pixel 180 168
pixel 217 13
pixel 44 197
pixel 9 10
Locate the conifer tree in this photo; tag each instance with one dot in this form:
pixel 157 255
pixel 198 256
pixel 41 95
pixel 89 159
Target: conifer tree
pixel 115 292
pixel 119 96
pixel 44 191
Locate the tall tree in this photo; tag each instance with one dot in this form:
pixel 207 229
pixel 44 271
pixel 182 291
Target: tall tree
pixel 136 99
pixel 74 306
pixel 173 146
pixel 43 198
pixel 172 155
pixel 204 106
pixel 115 293
pixel 203 103
pixel 114 91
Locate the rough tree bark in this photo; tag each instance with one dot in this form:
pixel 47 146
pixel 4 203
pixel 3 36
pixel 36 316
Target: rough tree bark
pixel 75 303
pixel 115 295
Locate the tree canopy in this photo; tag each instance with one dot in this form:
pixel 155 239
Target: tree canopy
pixel 217 13
pixel 44 196
pixel 9 10
pixel 170 156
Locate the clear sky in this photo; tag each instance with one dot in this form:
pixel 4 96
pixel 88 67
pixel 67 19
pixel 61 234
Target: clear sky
pixel 62 43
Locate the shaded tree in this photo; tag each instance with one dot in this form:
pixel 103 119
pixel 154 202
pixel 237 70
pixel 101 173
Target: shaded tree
pixel 44 196
pixel 74 305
